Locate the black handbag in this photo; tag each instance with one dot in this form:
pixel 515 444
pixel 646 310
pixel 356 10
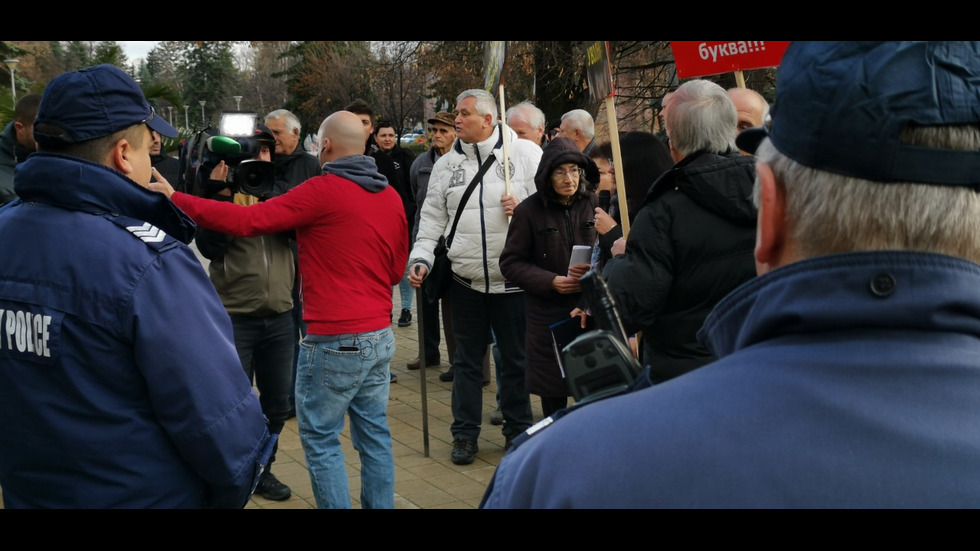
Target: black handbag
pixel 440 277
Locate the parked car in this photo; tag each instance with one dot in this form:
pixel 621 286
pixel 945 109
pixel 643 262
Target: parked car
pixel 411 138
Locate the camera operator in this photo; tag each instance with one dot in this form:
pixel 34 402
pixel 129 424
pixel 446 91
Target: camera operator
pixel 254 279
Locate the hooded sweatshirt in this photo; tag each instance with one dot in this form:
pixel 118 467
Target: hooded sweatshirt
pixel 352 238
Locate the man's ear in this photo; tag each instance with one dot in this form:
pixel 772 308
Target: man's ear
pixel 121 156
pixel 771 250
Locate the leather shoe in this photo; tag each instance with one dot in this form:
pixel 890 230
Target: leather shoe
pixel 270 488
pixel 406 319
pixel 414 364
pixel 464 451
pixel 448 375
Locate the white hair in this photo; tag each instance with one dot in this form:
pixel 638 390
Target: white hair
pixel 580 119
pixel 291 121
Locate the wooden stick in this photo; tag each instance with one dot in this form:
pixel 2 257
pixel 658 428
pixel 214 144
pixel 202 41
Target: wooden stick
pixel 624 218
pixel 739 79
pixel 504 137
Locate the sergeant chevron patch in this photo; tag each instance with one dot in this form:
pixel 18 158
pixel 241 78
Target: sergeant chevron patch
pixel 148 233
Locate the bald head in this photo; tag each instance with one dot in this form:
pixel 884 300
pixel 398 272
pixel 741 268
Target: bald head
pixel 341 134
pixel 751 106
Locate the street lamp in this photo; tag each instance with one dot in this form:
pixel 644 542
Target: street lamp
pixel 12 64
pixel 187 122
pixel 202 102
pixel 238 103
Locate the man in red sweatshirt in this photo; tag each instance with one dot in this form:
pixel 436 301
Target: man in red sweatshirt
pixel 352 238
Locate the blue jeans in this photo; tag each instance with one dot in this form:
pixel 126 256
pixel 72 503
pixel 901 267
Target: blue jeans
pixel 475 314
pixel 338 374
pixel 405 291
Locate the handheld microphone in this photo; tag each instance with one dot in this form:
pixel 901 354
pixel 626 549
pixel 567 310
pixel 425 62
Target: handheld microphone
pixel 604 199
pixel 223 145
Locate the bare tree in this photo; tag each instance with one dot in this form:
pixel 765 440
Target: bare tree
pixel 399 84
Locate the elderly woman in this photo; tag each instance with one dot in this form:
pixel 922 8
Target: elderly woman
pixel 536 255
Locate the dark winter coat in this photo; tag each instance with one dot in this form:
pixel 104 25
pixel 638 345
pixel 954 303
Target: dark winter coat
pixel 690 244
pixel 539 243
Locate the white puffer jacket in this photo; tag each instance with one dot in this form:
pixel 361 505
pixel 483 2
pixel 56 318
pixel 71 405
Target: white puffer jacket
pixel 482 228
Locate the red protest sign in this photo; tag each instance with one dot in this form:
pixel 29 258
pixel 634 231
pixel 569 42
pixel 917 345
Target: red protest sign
pixel 698 58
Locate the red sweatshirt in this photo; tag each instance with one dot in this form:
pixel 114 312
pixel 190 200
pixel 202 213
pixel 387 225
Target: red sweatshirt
pixel 353 246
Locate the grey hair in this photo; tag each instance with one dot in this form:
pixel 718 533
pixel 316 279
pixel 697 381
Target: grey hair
pixel 831 213
pixel 291 121
pixel 580 119
pixel 701 117
pixel 484 102
pixel 535 116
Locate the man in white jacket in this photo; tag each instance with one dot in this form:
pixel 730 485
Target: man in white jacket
pixel 482 299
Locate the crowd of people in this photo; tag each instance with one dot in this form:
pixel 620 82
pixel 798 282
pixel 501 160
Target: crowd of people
pixel 796 283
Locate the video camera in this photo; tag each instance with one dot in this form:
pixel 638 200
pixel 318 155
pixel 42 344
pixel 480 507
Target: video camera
pixel 238 141
pixel 599 363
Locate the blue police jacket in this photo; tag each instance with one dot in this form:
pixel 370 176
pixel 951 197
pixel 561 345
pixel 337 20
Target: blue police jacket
pixel 119 382
pixel 843 381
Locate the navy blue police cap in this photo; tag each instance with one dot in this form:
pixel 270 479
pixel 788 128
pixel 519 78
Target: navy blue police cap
pixel 91 103
pixel 842 107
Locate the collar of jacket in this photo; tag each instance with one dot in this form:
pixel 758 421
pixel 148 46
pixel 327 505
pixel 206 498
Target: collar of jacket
pixel 481 150
pixel 77 184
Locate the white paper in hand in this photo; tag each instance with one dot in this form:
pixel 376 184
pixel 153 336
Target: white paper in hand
pixel 581 254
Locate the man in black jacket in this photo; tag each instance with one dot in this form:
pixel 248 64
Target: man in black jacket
pixel 387 139
pixel 692 239
pixel 293 167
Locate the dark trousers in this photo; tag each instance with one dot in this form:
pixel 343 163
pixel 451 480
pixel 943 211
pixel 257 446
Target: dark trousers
pixel 474 315
pixel 430 321
pixel 265 347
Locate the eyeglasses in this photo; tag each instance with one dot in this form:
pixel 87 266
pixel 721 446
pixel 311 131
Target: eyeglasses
pixel 561 173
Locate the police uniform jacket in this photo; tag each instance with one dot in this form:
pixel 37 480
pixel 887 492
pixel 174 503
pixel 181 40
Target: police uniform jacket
pixel 843 381
pixel 120 386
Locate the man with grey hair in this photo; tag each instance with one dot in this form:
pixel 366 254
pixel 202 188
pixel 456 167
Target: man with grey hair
pixel 848 369
pixel 579 126
pixel 293 164
pixel 482 299
pixel 293 167
pixel 528 121
pixel 692 237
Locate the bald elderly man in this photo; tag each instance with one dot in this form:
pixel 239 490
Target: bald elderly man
pixel 348 312
pixel 752 108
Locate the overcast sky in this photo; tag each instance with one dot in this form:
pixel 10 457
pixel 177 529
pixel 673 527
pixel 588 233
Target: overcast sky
pixel 136 50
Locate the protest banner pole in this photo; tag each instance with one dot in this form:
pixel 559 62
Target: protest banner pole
pixel 423 362
pixel 739 79
pixel 503 136
pixel 601 86
pixel 624 218
pixel 494 62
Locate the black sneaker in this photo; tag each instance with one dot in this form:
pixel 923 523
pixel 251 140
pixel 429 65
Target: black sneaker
pixel 392 378
pixel 406 318
pixel 270 488
pixel 448 376
pixel 464 451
